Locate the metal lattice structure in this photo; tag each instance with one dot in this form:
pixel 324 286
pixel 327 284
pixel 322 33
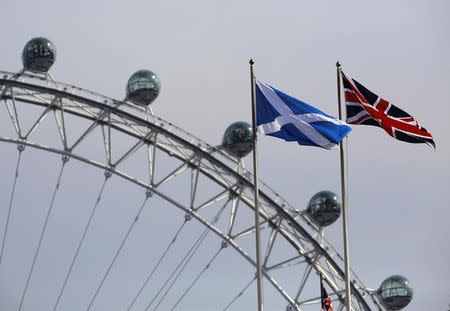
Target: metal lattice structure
pixel 310 255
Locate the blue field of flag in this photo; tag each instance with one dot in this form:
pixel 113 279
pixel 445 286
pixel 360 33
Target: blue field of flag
pixel 286 117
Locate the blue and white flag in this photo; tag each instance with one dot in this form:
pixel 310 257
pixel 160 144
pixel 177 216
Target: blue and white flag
pixel 283 116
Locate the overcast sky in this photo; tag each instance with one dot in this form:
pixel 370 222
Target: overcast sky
pixel 398 193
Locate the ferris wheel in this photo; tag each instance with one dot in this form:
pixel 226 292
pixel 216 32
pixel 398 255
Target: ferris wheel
pixel 107 206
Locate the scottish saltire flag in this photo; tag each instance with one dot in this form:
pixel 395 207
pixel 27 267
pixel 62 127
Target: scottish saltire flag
pixel 283 116
pixel 367 108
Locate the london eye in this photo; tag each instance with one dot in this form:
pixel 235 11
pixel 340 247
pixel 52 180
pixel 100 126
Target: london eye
pixel 182 234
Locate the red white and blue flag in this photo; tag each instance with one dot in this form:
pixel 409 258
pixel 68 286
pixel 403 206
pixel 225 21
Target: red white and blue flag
pixel 327 304
pixel 367 108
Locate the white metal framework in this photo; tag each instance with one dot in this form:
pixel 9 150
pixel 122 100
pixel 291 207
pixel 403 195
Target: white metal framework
pixel 310 254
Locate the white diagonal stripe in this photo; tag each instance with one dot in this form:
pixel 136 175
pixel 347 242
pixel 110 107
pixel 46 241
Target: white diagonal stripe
pixel 300 121
pixel 304 127
pixel 354 104
pixel 357 116
pixel 274 99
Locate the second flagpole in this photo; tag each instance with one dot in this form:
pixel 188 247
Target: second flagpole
pixel 256 194
pixel 344 199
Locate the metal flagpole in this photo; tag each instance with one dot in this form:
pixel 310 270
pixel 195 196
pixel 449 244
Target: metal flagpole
pixel 344 199
pixel 256 189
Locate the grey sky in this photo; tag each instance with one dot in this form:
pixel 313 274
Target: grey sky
pixel 398 192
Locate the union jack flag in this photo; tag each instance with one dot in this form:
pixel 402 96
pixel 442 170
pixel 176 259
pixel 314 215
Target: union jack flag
pixel 367 108
pixel 327 304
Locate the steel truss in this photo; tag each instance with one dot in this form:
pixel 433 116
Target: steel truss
pixel 280 221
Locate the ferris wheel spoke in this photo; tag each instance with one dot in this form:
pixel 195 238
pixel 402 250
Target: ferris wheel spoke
pixel 116 255
pixel 208 265
pixel 181 265
pixel 11 200
pixel 57 187
pixel 161 258
pixel 235 298
pixel 184 261
pixel 86 228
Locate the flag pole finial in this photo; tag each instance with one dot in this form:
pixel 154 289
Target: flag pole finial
pixel 338 65
pixel 251 61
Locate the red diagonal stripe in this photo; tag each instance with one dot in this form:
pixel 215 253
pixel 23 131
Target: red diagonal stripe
pixel 351 97
pixel 388 123
pixel 384 120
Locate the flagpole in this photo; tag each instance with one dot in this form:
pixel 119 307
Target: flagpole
pixel 344 198
pixel 256 194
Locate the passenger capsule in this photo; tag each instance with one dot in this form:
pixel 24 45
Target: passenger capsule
pixel 238 139
pixel 143 87
pixel 324 208
pixel 38 55
pixel 395 293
